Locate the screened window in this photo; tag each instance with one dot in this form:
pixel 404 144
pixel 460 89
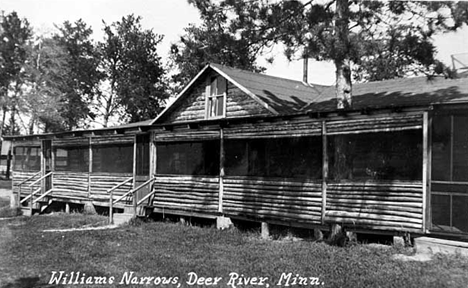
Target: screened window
pixel 113 158
pixel 450 148
pixel 27 158
pixel 299 157
pixel 188 158
pixel 372 156
pixel 74 159
pixel 216 97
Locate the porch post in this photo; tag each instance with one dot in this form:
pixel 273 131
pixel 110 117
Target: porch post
pixel 221 170
pixel 43 168
pixel 152 148
pixel 324 170
pixel 425 174
pixel 134 196
pixel 90 164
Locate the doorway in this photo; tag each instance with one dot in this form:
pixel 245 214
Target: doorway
pixel 142 164
pixel 46 164
pixel 449 174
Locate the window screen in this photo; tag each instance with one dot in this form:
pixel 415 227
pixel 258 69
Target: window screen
pixel 113 158
pixel 298 157
pixel 143 157
pixel 450 148
pixel 27 158
pixel 188 158
pixel 74 159
pixel 368 156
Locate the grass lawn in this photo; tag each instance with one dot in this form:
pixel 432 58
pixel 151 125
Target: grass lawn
pixel 28 257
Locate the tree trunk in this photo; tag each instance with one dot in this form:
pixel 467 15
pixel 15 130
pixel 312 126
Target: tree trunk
pixel 343 85
pixel 12 120
pixel 2 126
pixel 343 71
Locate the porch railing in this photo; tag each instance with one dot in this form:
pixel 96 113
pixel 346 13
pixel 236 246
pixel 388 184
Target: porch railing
pixel 24 182
pixel 132 192
pixel 33 192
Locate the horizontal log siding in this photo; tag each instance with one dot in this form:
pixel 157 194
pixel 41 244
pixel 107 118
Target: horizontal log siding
pixel 72 185
pixel 187 135
pixel 102 182
pixel 20 176
pixel 192 107
pixel 238 104
pixel 112 139
pixel 186 194
pixel 76 141
pixel 284 200
pixel 375 124
pixel 26 143
pixel 376 205
pixel 297 128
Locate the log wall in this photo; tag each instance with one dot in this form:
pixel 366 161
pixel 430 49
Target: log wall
pixel 73 185
pixel 74 141
pixel 102 182
pixel 112 139
pixel 391 205
pixel 285 128
pixel 187 135
pixel 18 177
pixel 238 104
pixel 278 199
pixel 375 124
pixel 186 194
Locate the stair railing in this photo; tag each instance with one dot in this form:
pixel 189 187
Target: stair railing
pixel 111 198
pixel 132 192
pixel 34 192
pixel 23 182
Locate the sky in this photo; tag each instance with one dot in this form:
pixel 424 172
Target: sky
pixel 170 17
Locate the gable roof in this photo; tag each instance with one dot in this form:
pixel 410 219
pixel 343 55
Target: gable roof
pixel 285 96
pixel 278 95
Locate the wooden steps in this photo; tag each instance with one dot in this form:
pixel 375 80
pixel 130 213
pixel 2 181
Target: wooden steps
pixel 38 207
pixel 428 245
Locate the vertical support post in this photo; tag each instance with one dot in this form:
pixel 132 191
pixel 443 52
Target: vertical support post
pixel 31 202
pixel 52 165
pixel 43 168
pixel 324 170
pixel 153 162
pixel 154 152
pixel 90 164
pixel 18 204
pixel 429 174
pixel 221 171
pixel 425 168
pixel 111 207
pixel 134 196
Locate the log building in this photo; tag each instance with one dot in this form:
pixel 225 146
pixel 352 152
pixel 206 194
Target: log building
pixel 243 145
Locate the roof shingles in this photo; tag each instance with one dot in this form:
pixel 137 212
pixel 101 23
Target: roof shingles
pixel 289 96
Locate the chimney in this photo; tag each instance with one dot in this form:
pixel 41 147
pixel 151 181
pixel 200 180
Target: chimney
pixel 305 70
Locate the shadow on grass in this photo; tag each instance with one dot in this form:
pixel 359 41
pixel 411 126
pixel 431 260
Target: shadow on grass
pixel 27 282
